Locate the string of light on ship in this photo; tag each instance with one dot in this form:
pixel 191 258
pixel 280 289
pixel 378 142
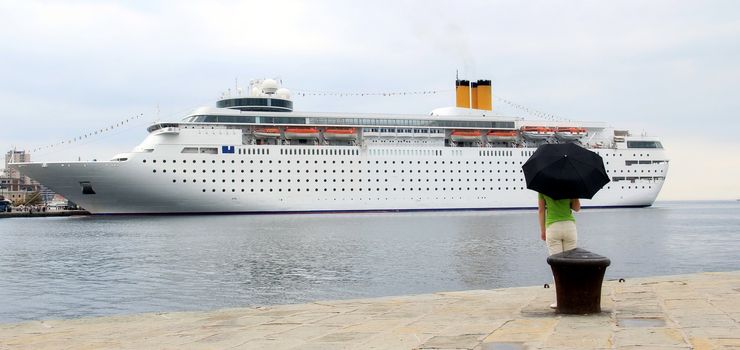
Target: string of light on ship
pixel 387 94
pixel 90 134
pixel 530 111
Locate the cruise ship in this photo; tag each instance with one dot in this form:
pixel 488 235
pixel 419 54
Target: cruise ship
pixel 253 153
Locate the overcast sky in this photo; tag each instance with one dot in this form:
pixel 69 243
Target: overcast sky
pixel 666 68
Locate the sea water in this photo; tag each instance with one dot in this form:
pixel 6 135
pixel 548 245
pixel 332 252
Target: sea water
pixel 102 265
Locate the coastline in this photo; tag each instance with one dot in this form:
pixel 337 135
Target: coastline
pixel 42 214
pixel 82 212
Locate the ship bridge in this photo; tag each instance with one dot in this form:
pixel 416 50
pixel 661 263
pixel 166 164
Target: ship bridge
pixel 263 95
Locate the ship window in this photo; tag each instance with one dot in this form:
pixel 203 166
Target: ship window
pixel 644 144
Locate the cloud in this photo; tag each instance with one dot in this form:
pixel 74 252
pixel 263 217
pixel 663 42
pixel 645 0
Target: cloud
pixel 667 67
pixel 193 28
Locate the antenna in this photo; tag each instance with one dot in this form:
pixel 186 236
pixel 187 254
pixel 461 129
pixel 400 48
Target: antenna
pixel 470 95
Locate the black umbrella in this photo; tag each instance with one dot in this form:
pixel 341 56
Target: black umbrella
pixel 565 171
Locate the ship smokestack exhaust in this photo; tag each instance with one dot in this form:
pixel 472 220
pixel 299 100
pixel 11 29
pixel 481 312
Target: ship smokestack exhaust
pixel 462 93
pixel 475 95
pixel 485 95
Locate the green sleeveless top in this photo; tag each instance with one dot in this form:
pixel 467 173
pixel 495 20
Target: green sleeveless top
pixel 557 210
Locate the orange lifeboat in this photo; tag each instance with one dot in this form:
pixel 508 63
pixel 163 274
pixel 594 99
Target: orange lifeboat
pixel 301 133
pixel 502 135
pixel 340 133
pixel 570 133
pixel 537 132
pixel 465 135
pixel 264 133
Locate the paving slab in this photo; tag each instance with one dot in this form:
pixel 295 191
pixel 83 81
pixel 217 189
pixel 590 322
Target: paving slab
pixel 695 311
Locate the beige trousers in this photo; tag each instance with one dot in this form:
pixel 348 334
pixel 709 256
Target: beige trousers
pixel 561 235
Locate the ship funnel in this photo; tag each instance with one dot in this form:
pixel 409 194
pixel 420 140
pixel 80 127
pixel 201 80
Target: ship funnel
pixel 474 95
pixel 484 95
pixel 462 93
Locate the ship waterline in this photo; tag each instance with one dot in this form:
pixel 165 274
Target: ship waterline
pixel 223 160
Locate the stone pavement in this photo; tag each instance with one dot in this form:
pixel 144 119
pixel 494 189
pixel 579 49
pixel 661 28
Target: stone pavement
pixel 698 311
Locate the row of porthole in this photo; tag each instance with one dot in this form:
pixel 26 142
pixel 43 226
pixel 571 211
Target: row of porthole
pixel 319 152
pixel 369 189
pixel 342 180
pixel 341 171
pixel 325 171
pixel 334 171
pixel 495 154
pixel 358 170
pixel 393 170
pixel 630 187
pixel 254 151
pixel 395 199
pixel 466 180
pixel 410 179
pixel 642 171
pixel 184 161
pixel 417 153
pixel 378 170
pixel 385 170
pixel 419 170
pixel 242 161
pixel 622 155
pixel 411 189
pixel 516 169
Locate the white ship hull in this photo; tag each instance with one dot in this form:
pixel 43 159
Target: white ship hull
pixel 262 180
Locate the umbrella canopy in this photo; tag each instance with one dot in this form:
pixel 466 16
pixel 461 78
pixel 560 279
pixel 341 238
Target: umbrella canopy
pixel 565 171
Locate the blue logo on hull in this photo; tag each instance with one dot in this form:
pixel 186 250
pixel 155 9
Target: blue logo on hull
pixel 227 149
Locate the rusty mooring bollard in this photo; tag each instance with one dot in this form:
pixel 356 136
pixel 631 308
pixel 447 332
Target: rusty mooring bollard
pixel 578 276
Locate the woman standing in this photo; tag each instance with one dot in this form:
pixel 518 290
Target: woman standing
pixel 557 224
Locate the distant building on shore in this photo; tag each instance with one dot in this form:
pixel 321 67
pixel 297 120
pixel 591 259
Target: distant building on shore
pixel 15 156
pixel 17 187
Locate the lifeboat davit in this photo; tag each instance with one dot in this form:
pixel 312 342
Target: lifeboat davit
pixel 266 133
pixel 465 135
pixel 301 133
pixel 502 135
pixel 340 134
pixel 537 132
pixel 570 133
